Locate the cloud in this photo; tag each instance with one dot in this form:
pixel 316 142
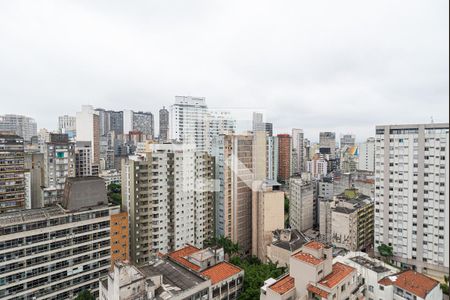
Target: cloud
pixel 328 65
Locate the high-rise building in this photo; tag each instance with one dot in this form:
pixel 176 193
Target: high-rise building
pixel 366 159
pixel 259 125
pixel 284 157
pixel 234 172
pixel 68 125
pixel 188 121
pixel 59 250
pixel 22 126
pixel 12 168
pixel 120 245
pixel 110 120
pixel 267 215
pixel 83 160
pixel 352 221
pixel 347 140
pixel 317 167
pixel 59 163
pixel 88 130
pixel 163 124
pixel 301 204
pixel 412 195
pixel 272 157
pixel 327 144
pixel 297 151
pixel 167 192
pixel 144 122
pixel 217 123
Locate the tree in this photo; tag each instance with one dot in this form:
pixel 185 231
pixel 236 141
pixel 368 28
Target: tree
pixel 115 193
pixel 230 248
pixel 85 295
pixel 255 273
pixel 444 286
pixel 385 251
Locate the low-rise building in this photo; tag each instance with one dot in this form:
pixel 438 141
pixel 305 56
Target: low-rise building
pixel 188 273
pixel 285 242
pixel 312 275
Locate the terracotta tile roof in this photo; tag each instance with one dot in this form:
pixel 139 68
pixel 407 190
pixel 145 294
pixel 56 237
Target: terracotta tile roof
pixel 221 272
pixel 411 281
pixel 315 290
pixel 283 285
pixel 339 273
pixel 179 257
pixel 308 258
pixel 314 245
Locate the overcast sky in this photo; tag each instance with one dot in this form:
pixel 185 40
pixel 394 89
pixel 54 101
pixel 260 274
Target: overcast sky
pixel 343 66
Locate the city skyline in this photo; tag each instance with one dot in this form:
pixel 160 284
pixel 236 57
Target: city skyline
pixel 307 67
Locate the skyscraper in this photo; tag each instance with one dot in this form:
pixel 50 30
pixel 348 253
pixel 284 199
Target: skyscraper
pixel 23 126
pixel 412 195
pixel 167 192
pixel 217 123
pixel 327 144
pixel 188 121
pixel 68 125
pixel 366 160
pixel 301 204
pixel 88 130
pixel 284 157
pixel 347 140
pixel 297 151
pixel 235 174
pixel 163 124
pixel 59 163
pixel 12 168
pixel 144 122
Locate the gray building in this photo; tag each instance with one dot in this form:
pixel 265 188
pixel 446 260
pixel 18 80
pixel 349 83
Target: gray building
pixel 144 122
pixel 12 168
pixel 56 252
pixel 327 144
pixel 163 124
pixel 23 126
pixel 301 204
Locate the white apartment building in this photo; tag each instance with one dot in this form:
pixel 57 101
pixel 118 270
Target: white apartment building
pixel 56 252
pixel 366 159
pixel 188 121
pixel 301 204
pixel 297 151
pixel 23 126
pixel 218 122
pixel 67 124
pixel 272 157
pixel 412 195
pixel 317 167
pixel 167 192
pixel 88 130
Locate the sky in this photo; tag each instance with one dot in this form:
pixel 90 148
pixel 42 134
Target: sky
pixel 341 66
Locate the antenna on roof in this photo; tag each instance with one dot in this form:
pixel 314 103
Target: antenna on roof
pixel 432 120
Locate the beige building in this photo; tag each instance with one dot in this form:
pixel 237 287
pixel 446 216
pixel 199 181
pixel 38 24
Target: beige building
pixel 234 178
pixel 267 215
pixel 167 192
pixel 285 242
pixel 352 221
pixel 312 275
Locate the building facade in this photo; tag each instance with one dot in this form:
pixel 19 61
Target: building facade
pixel 164 120
pixel 22 126
pixel 298 151
pixel 68 125
pixel 12 169
pixel 366 160
pixel 412 195
pixel 301 204
pixel 284 157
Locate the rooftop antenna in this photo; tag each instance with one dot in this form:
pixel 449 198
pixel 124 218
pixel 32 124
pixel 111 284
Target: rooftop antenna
pixel 432 120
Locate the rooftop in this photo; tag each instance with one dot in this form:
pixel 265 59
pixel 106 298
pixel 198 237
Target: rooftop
pixel 339 273
pixel 411 281
pixel 179 256
pixel 315 290
pixel 315 245
pixel 221 272
pixel 30 215
pixel 175 277
pixel 284 285
pixel 308 258
pixel 369 264
pixel 289 239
